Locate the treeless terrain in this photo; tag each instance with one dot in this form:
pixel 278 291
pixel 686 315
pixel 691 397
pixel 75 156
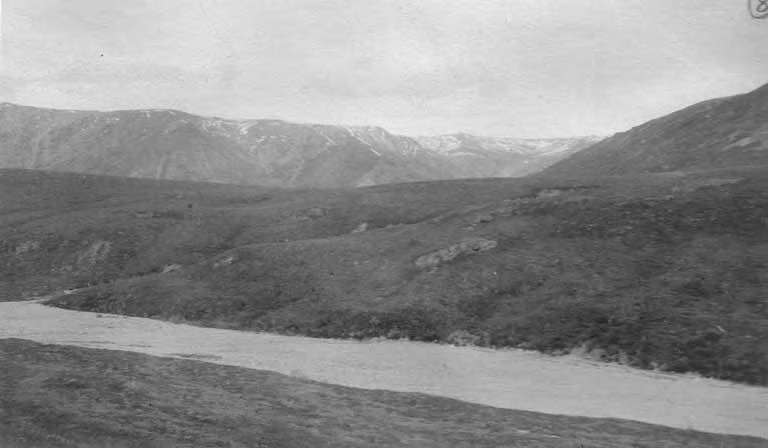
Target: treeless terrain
pixel 57 396
pixel 718 133
pixel 655 270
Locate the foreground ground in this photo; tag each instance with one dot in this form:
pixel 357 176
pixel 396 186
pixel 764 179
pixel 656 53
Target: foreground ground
pixel 509 379
pixel 57 396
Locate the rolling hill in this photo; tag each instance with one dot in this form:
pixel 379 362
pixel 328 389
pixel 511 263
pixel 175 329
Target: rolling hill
pixel 659 271
pixel 723 132
pixel 168 144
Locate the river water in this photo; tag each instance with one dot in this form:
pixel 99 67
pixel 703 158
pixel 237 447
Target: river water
pixel 512 379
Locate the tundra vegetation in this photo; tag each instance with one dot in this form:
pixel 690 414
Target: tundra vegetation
pixel 663 271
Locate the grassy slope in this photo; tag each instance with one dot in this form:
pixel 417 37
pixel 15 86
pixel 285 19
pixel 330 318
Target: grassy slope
pixel 661 271
pixel 48 221
pixel 723 132
pixel 55 396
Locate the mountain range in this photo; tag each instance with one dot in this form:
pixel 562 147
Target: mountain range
pixel 174 145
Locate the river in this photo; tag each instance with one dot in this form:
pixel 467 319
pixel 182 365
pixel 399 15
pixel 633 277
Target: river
pixel 512 379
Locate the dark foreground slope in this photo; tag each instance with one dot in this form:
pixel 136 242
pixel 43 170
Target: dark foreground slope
pixel 55 396
pixel 719 133
pixel 665 271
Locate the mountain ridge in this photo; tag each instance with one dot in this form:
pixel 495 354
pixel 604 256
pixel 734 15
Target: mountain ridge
pixel 176 145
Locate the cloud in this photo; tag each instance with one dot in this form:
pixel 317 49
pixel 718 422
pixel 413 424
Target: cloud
pixel 521 67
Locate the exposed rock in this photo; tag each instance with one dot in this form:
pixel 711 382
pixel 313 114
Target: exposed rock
pixel 171 268
pixel 27 246
pixel 226 261
pixel 465 247
pixel 479 220
pixel 361 228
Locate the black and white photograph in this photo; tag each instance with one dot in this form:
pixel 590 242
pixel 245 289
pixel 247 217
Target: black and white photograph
pixel 383 223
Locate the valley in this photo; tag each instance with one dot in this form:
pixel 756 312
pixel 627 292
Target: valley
pixel 609 289
pixel 364 224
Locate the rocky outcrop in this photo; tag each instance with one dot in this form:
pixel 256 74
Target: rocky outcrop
pixel 361 228
pixel 469 246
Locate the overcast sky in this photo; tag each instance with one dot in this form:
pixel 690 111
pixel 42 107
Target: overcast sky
pixel 527 68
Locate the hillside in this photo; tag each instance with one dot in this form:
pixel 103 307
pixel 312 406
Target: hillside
pixel 168 144
pixel 658 271
pixel 719 133
pixel 58 396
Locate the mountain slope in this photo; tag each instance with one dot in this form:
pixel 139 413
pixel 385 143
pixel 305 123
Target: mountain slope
pixel 167 144
pixel 718 133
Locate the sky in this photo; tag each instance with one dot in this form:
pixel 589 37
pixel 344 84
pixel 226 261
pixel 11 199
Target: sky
pixel 521 68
